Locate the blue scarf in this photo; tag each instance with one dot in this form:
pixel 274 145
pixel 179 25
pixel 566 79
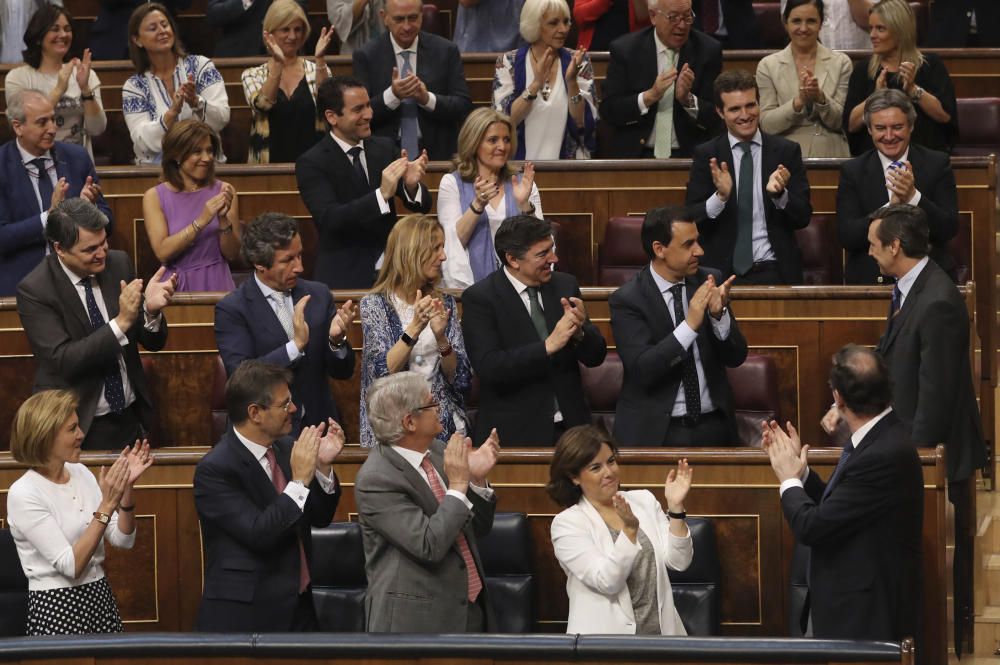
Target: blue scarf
pixel 482 253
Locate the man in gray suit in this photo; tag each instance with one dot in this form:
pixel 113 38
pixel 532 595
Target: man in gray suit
pixel 421 505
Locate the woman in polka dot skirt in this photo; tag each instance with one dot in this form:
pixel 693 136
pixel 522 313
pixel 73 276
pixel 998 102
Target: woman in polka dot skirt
pixel 60 516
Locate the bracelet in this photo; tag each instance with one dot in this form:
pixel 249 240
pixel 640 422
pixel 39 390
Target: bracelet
pixel 530 210
pixel 677 516
pixel 527 96
pixel 576 99
pixel 87 98
pixel 407 340
pixel 445 352
pixel 472 207
pixel 338 343
pixel 196 225
pixel 103 518
pixel 917 93
pixel 127 509
pixel 224 231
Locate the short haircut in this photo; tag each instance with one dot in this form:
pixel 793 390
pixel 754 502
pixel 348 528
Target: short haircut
pixel 180 141
pixel 390 398
pixel 471 136
pixel 283 13
pixel 574 450
pixel 252 383
pixel 410 245
pixel 792 4
pixel 15 104
pixel 138 55
pixel 39 24
pixel 734 80
pixel 330 96
pixel 888 98
pixel 532 13
pixel 67 218
pixel 861 377
pixel 36 424
pixel 658 225
pixel 266 233
pixel 906 223
pixel 517 234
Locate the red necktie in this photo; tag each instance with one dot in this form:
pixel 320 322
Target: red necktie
pixel 279 482
pixel 475 584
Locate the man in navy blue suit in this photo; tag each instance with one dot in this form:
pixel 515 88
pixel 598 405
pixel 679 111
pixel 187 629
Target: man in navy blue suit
pixel 37 173
pixel 276 317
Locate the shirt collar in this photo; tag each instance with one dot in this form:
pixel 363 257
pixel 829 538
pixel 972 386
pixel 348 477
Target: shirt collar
pixel 27 157
pixel 74 279
pixel 733 141
pixel 397 49
pixel 662 284
pixel 862 431
pixel 660 46
pixel 515 282
pixel 886 161
pixel 344 145
pixel 412 457
pixel 905 283
pixel 258 451
pixel 267 290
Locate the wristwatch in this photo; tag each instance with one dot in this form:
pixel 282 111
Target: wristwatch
pixel 407 340
pixel 103 518
pixel 917 93
pixel 528 96
pixel 677 516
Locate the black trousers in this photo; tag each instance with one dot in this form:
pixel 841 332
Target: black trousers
pixel 114 431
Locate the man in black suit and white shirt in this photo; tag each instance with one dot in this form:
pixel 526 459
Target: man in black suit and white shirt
pixel 348 181
pixel 416 83
pixel 749 208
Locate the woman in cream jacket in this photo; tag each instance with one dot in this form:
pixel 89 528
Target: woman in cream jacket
pixel 610 543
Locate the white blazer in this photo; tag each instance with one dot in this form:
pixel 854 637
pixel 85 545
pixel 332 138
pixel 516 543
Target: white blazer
pixel 597 568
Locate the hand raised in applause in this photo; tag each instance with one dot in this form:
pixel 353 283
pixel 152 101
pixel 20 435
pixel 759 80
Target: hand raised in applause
pixel 300 327
pixel 305 455
pixel 330 444
pixel 414 173
pixel 684 84
pixel 129 301
pixel 787 454
pixel 721 178
pixel 901 183
pixel 522 185
pixel 90 190
pixel 59 191
pixel 778 180
pixel 830 420
pixel 630 523
pixel 83 72
pixel 699 303
pixel 439 320
pixel 719 297
pixel 139 459
pixel 112 482
pixel 456 463
pixel 677 485
pixel 160 291
pixel 341 321
pixel 565 329
pixel 484 458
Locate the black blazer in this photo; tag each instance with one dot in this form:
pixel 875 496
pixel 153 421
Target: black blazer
pixel 251 539
pixel 246 327
pixel 652 359
pixel 927 352
pixel 862 191
pixel 69 353
pixel 740 21
pixel 352 229
pixel 517 379
pixel 864 579
pixel 439 66
pixel 718 236
pixel 949 23
pixel 633 69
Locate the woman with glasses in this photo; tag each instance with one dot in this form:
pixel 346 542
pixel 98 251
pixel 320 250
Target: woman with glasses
pixel 70 84
pixel 546 89
pixel 409 324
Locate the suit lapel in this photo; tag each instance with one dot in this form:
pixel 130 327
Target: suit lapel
pixel 67 294
pixel 261 312
pixel 551 304
pixel 909 304
pixel 511 303
pixel 337 155
pixel 873 435
pixel 662 321
pixel 253 473
pixel 425 497
pixel 110 290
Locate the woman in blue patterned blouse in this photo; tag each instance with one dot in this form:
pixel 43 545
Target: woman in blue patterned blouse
pixel 408 324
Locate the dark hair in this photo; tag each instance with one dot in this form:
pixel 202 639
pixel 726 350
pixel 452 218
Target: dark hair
pixel 908 224
pixel 792 4
pixel 889 98
pixel 658 225
pixel 267 232
pixel 574 450
pixel 861 377
pixel 66 219
pixel 179 142
pixel 138 55
pixel 252 383
pixel 517 234
pixel 330 96
pixel 734 80
pixel 39 24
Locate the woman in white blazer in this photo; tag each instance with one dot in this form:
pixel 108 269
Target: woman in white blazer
pixel 610 543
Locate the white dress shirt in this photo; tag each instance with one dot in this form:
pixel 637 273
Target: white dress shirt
pixel 905 283
pixel 293 488
pixel 664 56
pixel 33 176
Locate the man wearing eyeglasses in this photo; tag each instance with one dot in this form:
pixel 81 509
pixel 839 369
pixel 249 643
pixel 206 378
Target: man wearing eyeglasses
pixel 258 493
pixel 37 173
pixel 658 91
pixel 416 83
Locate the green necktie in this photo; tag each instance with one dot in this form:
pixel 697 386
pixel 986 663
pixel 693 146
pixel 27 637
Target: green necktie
pixel 663 134
pixel 743 253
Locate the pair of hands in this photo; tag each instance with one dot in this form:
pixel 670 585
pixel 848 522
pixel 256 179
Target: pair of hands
pixel 218 205
pixel 675 490
pixel 723 179
pixel 682 80
pixel 115 481
pixel 464 464
pixel 411 173
pixel 428 310
pixel 157 296
pixel 907 77
pixel 90 191
pixel 542 68
pixel 809 90
pixel 710 298
pixel 901 183
pixel 785 450
pixel 487 188
pixel 570 325
pixel 409 87
pixel 339 324
pixel 279 56
pixel 78 69
pixel 316 448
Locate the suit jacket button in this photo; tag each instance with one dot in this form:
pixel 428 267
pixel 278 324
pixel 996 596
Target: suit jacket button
pixel 879 279
pixel 465 601
pixel 642 141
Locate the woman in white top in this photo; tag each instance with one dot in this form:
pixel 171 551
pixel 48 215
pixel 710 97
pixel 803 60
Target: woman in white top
pixel 615 547
pixel 168 85
pixel 60 516
pixel 546 89
pixel 479 194
pixel 71 85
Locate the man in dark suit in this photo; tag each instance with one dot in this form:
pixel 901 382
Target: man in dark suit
pixel 240 25
pixel 749 208
pixel 658 91
pixel 676 336
pixel 422 506
pixel 416 83
pixel 85 314
pixel 896 171
pixel 276 317
pixel 258 494
pixel 732 22
pixel 526 331
pixel 864 524
pixel 36 174
pixel 951 24
pixel 348 181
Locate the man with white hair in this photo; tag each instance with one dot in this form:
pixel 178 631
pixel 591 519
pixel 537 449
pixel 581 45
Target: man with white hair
pixel 421 505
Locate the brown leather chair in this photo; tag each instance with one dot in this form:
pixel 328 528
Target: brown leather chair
pixel 620 255
pixel 822 258
pixel 755 396
pixel 978 126
pixel 217 407
pixel 433 23
pixel 601 386
pixel 770 25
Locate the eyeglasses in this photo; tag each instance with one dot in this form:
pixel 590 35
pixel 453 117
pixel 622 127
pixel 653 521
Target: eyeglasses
pixel 284 406
pixel 432 405
pixel 674 18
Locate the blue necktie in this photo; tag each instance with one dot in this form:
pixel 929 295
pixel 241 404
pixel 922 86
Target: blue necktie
pixel 844 456
pixel 44 183
pixel 743 252
pixel 692 391
pixel 409 133
pixel 114 389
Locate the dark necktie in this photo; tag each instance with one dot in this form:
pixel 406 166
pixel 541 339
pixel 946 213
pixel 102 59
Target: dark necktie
pixel 359 168
pixel 279 482
pixel 743 252
pixel 710 16
pixel 897 300
pixel 408 122
pixel 44 183
pixel 538 319
pixel 114 389
pixel 692 393
pixel 835 476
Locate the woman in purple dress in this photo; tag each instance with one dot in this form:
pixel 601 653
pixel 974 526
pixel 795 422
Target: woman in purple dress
pixel 192 219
